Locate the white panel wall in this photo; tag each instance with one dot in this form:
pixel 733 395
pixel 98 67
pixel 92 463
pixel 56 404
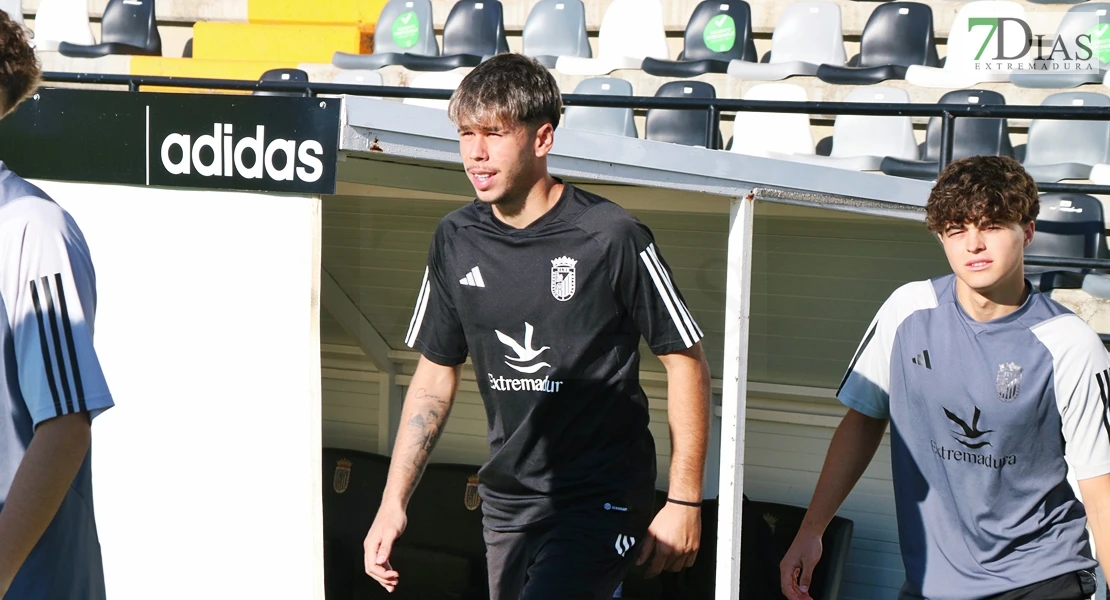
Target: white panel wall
pixel 207 471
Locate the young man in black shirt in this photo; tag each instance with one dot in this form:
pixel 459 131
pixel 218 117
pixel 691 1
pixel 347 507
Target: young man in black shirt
pixel 549 289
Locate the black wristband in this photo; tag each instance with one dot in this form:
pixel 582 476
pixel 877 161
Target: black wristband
pixel 683 502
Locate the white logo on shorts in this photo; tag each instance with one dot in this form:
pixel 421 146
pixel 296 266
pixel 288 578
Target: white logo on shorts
pixel 624 544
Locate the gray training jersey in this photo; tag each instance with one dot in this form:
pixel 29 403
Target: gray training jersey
pixel 985 420
pixel 48 368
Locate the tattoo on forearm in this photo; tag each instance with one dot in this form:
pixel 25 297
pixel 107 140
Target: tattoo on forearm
pixel 428 423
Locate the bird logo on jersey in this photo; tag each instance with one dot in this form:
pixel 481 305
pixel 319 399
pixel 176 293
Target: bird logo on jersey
pixel 562 278
pixel 525 353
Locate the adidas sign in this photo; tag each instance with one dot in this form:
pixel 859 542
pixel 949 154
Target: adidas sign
pixel 249 157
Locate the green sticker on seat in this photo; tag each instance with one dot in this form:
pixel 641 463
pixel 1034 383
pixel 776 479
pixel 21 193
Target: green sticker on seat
pixel 406 30
pixel 1100 42
pixel 720 33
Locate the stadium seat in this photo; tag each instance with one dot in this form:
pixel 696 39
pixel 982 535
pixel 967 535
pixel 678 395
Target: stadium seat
pixel 556 28
pixel 294 75
pixel 1067 149
pixel 437 81
pixel 128 27
pixel 897 35
pixel 770 134
pixel 14 8
pixel 358 77
pixel 688 127
pixel 1074 23
pixel 631 31
pixel 1068 226
pixel 860 142
pixel 59 21
pixel 718 32
pixel 443 537
pixel 404 26
pixel 187 52
pixel 610 121
pixel 785 520
pixel 972 137
pixel 474 31
pixel 352 484
pixel 959 64
pixel 807 35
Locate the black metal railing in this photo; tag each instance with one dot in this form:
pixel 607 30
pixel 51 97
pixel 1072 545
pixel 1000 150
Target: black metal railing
pixel 714 108
pixel 948 113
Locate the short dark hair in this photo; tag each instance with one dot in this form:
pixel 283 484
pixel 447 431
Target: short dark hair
pixel 507 88
pixel 20 71
pixel 982 188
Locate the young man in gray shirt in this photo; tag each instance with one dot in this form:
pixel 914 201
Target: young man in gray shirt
pixel 993 392
pixel 51 384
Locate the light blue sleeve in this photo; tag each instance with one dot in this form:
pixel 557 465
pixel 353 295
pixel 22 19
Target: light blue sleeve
pixel 54 288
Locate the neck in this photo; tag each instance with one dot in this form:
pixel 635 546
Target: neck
pixel 534 203
pixel 986 305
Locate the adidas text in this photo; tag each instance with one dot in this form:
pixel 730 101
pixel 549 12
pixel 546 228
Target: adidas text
pixel 230 157
pixel 504 384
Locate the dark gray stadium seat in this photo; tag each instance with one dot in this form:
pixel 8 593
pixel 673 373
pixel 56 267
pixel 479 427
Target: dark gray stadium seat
pixel 1068 226
pixel 128 27
pixel 686 127
pixel 897 35
pixel 1075 23
pixel 556 28
pixel 610 121
pixel 404 26
pixel 973 137
pixel 717 33
pixel 293 75
pixel 474 31
pixel 1067 149
pixel 443 539
pixel 187 52
pixel 785 520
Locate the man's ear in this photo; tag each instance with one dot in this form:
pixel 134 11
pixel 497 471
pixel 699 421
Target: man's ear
pixel 544 139
pixel 1028 230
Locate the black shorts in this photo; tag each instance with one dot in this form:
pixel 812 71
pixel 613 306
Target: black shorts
pixel 1079 585
pixel 580 559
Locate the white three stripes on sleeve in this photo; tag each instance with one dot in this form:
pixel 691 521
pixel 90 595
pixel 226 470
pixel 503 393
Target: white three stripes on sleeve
pixel 418 313
pixel 685 323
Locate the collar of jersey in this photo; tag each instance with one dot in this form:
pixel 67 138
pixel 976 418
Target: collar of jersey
pixel 537 225
pixel 1013 317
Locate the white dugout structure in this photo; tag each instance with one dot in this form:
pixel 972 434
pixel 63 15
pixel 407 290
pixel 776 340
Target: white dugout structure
pixel 238 339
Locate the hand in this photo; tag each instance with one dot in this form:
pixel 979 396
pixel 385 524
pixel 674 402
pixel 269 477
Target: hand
pixel 388 526
pixel 796 568
pixel 674 537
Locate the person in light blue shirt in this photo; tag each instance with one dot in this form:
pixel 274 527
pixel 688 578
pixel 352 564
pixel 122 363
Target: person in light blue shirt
pixel 51 382
pixel 993 393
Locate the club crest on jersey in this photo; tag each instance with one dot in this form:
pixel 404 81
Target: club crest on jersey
pixel 471 499
pixel 562 278
pixel 342 477
pixel 1008 383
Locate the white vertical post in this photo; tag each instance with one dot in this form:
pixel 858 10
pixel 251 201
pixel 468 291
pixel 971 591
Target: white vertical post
pixel 734 396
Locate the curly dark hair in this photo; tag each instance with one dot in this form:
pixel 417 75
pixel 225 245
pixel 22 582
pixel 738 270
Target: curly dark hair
pixel 20 71
pixel 995 189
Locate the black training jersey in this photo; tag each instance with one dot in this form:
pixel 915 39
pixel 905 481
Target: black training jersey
pixel 552 316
